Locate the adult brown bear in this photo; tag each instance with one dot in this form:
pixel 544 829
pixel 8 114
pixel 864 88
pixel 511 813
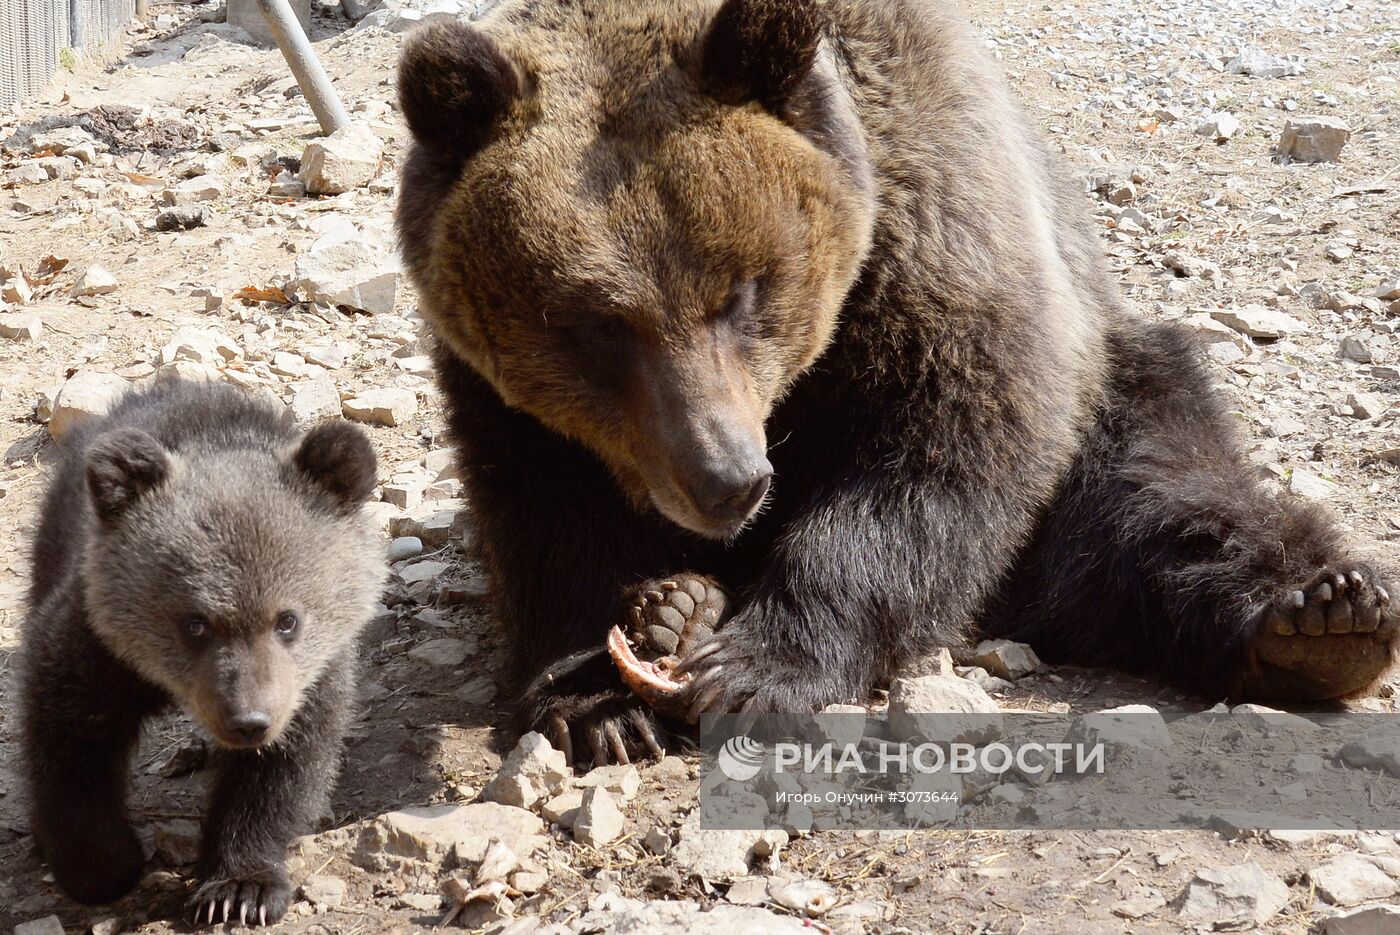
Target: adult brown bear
pixel 786 293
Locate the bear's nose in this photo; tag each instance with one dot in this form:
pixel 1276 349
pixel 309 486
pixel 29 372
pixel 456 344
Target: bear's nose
pixel 729 491
pixel 249 727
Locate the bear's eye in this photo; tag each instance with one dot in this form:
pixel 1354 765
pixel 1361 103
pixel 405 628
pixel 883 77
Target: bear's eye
pixel 604 331
pixel 739 305
pixel 195 627
pixel 287 623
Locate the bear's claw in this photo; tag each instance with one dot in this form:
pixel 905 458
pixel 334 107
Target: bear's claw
pixel 615 727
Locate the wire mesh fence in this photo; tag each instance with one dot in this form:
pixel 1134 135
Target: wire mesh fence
pixel 37 35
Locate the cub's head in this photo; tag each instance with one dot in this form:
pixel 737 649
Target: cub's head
pixel 638 221
pixel 231 579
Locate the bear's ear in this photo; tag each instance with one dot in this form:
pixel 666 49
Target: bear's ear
pixel 337 458
pixel 453 84
pixel 760 50
pixel 122 466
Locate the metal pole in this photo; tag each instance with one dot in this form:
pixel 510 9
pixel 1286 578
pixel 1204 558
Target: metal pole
pixel 143 9
pixel 296 49
pixel 75 25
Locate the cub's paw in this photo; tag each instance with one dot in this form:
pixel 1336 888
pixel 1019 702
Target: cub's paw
pixel 259 898
pixel 602 729
pixel 1328 639
pixel 668 620
pixel 95 860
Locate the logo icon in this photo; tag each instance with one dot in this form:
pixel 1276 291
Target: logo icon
pixel 741 758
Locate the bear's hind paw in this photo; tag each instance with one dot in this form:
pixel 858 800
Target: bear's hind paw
pixel 1328 639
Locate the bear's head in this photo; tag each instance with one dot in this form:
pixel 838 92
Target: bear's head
pixel 638 220
pixel 231 578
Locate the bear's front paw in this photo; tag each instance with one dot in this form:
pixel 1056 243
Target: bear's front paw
pixel 1328 639
pixel 258 898
pixel 668 619
pixel 738 672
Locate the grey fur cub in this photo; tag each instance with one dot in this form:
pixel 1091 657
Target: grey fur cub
pixel 195 548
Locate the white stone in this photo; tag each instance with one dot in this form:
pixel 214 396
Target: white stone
pixel 316 399
pixel 1219 126
pixel 345 160
pixel 21 326
pixel 611 912
pixel 1233 897
pixel 599 821
pixel 404 547
pixel 321 890
pixel 429 834
pixel 1259 321
pixel 715 855
pixel 351 272
pixel 563 808
pixel 86 395
pixel 1259 64
pixel 1307 484
pixel 95 281
pixel 1367 405
pixel 1314 139
pixel 384 406
pixel 201 346
pixel 247 16
pixel 1351 879
pixel 1378 748
pixel 1372 920
pixel 1005 658
pixel 48 925
pixel 942 708
pixel 532 772
pixel 193 191
pixel 1134 727
pixel 622 780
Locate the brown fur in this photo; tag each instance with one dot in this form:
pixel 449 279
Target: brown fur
pixel 953 399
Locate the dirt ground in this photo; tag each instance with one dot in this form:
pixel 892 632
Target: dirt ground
pixel 1193 224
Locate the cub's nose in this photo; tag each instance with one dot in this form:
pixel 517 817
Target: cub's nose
pixel 730 491
pixel 249 727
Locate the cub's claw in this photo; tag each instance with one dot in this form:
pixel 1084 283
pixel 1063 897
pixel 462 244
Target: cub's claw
pixel 263 897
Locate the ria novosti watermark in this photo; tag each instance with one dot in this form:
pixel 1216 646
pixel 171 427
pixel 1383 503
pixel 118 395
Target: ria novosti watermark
pixel 1234 771
pixel 741 758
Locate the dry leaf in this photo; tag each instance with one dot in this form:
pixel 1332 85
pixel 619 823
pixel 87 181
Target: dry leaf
pixel 1149 125
pixel 147 181
pixel 257 294
pixel 49 268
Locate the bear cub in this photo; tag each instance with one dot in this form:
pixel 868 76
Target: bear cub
pixel 194 548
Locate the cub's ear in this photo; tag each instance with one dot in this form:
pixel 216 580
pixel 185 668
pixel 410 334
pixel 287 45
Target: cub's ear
pixel 337 458
pixel 760 50
pixel 123 466
pixel 453 84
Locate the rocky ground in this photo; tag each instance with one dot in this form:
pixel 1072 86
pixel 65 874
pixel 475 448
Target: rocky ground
pixel 173 213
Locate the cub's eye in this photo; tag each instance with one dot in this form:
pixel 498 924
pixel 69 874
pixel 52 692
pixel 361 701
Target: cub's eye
pixel 287 623
pixel 195 627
